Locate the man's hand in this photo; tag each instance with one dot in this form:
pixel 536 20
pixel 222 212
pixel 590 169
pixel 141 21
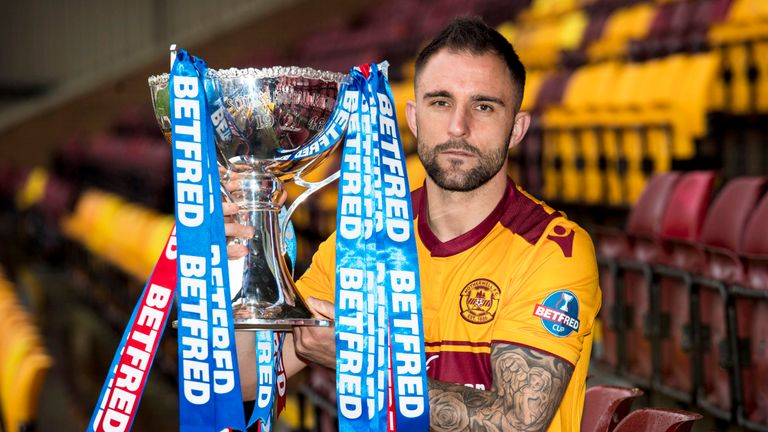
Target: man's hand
pixel 317 344
pixel 234 230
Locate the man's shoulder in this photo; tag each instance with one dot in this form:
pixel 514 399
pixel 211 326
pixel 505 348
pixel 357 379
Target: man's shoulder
pixel 527 216
pixel 538 223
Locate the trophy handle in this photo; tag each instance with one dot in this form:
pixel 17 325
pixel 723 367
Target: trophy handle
pixel 311 187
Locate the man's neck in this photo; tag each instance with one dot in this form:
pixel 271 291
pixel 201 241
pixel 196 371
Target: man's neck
pixel 451 214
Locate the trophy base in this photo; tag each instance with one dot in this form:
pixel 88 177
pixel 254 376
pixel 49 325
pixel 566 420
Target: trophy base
pixel 285 324
pixel 274 317
pixel 281 317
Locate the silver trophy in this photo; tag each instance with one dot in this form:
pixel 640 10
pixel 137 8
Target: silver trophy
pixel 276 126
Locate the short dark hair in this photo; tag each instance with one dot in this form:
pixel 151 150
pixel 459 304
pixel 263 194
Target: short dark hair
pixel 473 35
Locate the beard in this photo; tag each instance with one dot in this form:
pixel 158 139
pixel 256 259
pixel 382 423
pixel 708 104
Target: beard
pixel 456 177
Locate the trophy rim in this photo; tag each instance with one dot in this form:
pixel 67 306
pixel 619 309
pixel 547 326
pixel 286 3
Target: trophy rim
pixel 262 73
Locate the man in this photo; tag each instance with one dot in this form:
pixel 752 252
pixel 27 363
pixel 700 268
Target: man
pixel 509 287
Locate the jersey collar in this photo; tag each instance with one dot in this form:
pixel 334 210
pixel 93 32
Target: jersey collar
pixel 465 241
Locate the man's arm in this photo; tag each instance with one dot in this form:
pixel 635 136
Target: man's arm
pixel 527 388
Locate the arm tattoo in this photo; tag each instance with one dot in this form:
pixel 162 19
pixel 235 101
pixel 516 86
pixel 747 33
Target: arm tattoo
pixel 527 388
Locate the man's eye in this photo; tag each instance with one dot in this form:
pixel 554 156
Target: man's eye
pixel 484 108
pixel 440 103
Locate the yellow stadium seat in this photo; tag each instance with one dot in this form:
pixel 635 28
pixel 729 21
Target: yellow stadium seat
pixel 533 83
pixel 415 170
pixel 540 9
pixel 508 29
pixel 593 176
pixel 158 235
pixel 28 384
pixel 634 150
pixel 740 41
pixel 572 26
pixel 624 24
pixel 696 75
pixel 659 138
pixel 761 62
pixel 402 92
pixel 614 190
pixel 578 117
pixel 34 188
pixel 551 163
pixel 16 349
pixel 571 178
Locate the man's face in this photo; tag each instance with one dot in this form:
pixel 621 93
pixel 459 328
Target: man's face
pixel 463 118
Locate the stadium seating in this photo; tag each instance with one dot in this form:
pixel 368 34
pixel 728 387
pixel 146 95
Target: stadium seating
pixel 656 308
pixel 720 240
pixel 658 420
pixel 749 318
pixel 622 93
pixel 606 406
pixel 635 243
pixel 681 228
pixel 24 362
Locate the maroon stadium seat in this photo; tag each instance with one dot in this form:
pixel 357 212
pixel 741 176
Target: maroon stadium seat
pixel 658 420
pixel 606 406
pixel 637 243
pixel 707 13
pixel 751 316
pixel 721 239
pixel 681 228
pixel 691 197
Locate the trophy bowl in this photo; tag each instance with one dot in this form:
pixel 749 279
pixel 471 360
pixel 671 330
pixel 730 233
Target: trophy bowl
pixel 267 131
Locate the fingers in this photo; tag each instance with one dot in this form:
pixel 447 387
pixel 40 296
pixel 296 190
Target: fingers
pixel 316 344
pixel 233 184
pixel 238 231
pixel 235 230
pixel 235 251
pixel 230 209
pixel 324 309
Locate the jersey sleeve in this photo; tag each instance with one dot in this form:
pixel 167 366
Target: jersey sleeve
pixel 551 303
pixel 319 279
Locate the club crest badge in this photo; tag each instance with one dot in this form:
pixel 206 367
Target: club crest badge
pixel 559 313
pixel 479 301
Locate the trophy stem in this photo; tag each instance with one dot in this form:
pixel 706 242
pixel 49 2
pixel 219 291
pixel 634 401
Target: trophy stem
pixel 268 298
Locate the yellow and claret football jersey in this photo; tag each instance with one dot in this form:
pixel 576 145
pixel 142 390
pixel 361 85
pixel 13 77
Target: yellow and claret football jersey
pixel 526 275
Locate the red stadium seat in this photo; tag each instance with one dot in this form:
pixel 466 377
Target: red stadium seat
pixel 721 238
pixel 751 320
pixel 606 406
pixel 691 197
pixel 658 420
pixel 637 243
pixel 654 313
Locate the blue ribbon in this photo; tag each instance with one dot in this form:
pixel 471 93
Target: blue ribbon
pixel 269 345
pixel 397 248
pixel 378 298
pixel 209 389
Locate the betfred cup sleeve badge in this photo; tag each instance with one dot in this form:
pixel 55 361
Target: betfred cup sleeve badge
pixel 559 313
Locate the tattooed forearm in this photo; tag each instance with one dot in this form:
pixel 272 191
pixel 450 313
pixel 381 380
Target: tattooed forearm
pixel 527 389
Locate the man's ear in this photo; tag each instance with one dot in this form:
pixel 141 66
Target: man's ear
pixel 522 123
pixel 410 115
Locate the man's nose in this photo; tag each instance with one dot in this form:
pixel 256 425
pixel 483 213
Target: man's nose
pixel 459 123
